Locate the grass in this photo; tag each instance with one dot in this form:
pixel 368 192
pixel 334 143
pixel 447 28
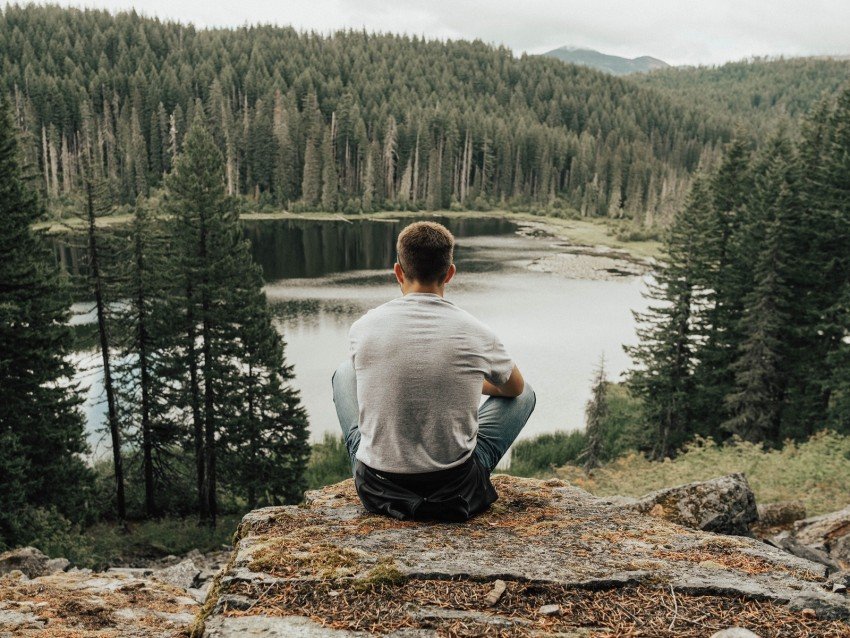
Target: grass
pixel 621 431
pixel 541 455
pixel 329 462
pixel 814 472
pixel 108 544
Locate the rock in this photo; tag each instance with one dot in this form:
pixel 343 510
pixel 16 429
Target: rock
pixel 550 543
pixel 92 604
pixel 57 565
pixel 550 610
pixel 28 560
pixel 840 549
pixel 133 572
pixel 781 514
pixel 725 505
pixel 181 575
pixel 828 533
pixel 199 594
pixel 824 527
pixel 496 593
pixel 809 553
pixel 840 578
pixel 734 632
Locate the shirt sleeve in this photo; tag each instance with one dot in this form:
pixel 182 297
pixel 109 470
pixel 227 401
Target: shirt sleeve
pixel 499 362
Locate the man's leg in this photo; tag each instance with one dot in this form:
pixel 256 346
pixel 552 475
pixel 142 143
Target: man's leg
pixel 500 421
pixel 344 383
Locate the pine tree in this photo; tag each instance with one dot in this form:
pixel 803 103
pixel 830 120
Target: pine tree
pixel 95 199
pixel 245 405
pixel 330 181
pixel 725 276
pixel 826 190
pixel 41 427
pixel 595 413
pixel 151 359
pixel 768 321
pixel 266 443
pixel 311 184
pixel 668 331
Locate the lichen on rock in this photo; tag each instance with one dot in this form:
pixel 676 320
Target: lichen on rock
pixel 329 568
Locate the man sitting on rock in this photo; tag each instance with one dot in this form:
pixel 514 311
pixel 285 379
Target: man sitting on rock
pixel 408 398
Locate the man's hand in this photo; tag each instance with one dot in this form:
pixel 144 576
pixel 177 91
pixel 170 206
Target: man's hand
pixel 513 387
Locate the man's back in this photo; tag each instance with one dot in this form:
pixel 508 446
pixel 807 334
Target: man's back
pixel 420 362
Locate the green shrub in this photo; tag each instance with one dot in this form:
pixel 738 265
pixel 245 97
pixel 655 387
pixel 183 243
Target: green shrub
pixel 50 532
pixel 329 462
pixel 621 431
pixel 542 454
pixel 814 472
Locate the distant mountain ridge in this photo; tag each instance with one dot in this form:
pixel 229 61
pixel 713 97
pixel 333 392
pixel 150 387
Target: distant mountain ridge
pixel 613 64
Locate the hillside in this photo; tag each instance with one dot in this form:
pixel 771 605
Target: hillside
pixel 613 64
pixel 758 92
pixel 352 122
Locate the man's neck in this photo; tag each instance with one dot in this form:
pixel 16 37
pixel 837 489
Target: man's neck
pixel 433 289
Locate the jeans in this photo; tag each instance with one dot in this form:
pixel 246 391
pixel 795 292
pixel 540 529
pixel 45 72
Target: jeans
pixel 500 419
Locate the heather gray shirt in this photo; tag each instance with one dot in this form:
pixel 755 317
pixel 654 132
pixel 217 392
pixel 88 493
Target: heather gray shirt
pixel 420 362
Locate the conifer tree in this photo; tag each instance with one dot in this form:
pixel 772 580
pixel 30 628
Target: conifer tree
pixel 95 199
pixel 311 184
pixel 246 405
pixel 724 276
pixel 330 196
pixel 595 413
pixel 767 323
pixel 41 427
pixel 668 331
pixel 149 373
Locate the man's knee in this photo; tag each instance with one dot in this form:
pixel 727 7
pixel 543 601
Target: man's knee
pixel 343 374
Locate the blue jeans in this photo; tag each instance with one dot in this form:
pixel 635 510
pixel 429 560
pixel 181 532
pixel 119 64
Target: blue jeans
pixel 500 419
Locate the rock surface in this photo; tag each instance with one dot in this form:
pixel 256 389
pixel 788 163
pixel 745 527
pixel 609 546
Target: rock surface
pixel 156 601
pixel 781 513
pixel 28 560
pixel 725 505
pixel 829 533
pixel 330 569
pixel 81 604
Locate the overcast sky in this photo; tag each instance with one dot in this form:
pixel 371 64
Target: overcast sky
pixel 677 31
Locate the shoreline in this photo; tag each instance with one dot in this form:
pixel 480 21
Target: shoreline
pixel 588 236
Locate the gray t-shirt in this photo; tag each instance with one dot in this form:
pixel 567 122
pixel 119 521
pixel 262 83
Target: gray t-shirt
pixel 420 362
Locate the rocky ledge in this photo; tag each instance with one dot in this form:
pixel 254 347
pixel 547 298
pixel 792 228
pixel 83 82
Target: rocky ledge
pixel 47 598
pixel 546 559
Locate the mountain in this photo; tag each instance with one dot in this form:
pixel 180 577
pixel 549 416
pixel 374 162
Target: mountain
pixel 613 64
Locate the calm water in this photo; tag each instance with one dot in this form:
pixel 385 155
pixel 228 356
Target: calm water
pixel 322 275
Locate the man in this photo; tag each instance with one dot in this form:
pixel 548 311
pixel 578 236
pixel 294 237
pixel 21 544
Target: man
pixel 408 398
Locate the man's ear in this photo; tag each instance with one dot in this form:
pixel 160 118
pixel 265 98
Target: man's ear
pixel 449 274
pixel 399 273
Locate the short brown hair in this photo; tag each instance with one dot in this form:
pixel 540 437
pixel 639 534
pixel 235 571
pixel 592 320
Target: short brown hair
pixel 425 251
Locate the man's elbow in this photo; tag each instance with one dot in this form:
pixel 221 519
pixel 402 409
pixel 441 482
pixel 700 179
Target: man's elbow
pixel 514 386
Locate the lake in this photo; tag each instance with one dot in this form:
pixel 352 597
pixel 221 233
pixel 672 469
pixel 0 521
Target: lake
pixel 557 310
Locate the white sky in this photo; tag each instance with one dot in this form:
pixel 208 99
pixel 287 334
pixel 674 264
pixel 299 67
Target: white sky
pixel 677 31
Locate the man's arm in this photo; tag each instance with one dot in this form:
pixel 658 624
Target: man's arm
pixel 513 387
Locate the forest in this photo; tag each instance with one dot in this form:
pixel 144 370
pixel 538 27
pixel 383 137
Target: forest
pixel 748 332
pixel 758 93
pixel 349 122
pixel 200 412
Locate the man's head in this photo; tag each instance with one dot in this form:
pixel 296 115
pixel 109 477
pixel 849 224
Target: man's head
pixel 425 254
